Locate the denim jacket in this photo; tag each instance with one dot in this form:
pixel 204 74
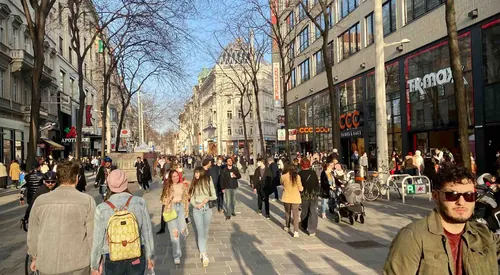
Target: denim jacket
pixel 102 215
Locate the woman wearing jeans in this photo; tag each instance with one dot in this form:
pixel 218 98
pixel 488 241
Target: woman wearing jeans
pixel 202 191
pixel 291 196
pixel 327 183
pixel 175 197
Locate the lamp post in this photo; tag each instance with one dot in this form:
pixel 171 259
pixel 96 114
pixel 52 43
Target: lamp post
pixel 380 96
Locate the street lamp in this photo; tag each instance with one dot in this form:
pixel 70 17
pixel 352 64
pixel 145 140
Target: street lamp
pixel 380 96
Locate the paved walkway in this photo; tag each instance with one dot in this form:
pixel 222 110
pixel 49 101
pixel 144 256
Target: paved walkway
pixel 248 243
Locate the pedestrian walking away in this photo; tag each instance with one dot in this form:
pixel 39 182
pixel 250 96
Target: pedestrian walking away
pixel 229 185
pixel 276 176
pixel 34 180
pixel 132 215
pixel 446 241
pixel 139 166
pixel 327 184
pixel 14 172
pixel 263 186
pixel 310 194
pixel 102 175
pixel 291 197
pixel 61 227
pixel 202 193
pixel 146 176
pixel 175 199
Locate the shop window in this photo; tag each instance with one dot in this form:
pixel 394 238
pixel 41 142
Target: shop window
pixel 351 95
pixel 417 8
pixel 350 42
pixel 491 53
pixel 347 6
pixel 430 88
pixel 304 71
pixel 304 39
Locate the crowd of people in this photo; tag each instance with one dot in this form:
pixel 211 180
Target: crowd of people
pixel 69 234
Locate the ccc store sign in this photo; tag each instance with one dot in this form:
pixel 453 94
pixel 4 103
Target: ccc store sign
pixel 349 120
pixel 309 130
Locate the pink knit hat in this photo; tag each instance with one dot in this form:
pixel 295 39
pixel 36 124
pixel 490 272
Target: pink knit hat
pixel 117 181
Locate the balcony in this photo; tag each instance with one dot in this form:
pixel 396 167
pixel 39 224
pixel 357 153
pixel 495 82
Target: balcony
pixel 4 52
pixel 21 60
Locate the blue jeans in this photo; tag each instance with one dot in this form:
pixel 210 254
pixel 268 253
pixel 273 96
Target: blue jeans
pixel 179 227
pixel 202 219
pixel 229 202
pixel 324 205
pixel 129 267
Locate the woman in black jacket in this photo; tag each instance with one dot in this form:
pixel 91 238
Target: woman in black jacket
pixel 310 182
pixel 327 184
pixel 146 175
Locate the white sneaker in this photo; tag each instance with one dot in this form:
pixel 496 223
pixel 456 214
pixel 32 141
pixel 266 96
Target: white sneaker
pixel 177 261
pixel 286 229
pixel 296 234
pixel 273 199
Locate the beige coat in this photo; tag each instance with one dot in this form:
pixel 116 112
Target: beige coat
pixel 3 170
pixel 14 171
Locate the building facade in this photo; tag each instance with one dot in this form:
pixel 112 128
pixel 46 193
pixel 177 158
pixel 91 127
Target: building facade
pixel 60 96
pixel 421 111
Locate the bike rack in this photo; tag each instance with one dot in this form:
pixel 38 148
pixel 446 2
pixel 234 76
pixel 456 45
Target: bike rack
pixel 403 184
pixel 394 177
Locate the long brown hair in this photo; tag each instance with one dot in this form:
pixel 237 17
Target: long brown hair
pixel 292 171
pixel 202 184
pixel 168 183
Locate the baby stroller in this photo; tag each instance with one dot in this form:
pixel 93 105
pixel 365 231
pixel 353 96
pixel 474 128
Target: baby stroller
pixel 486 210
pixel 346 203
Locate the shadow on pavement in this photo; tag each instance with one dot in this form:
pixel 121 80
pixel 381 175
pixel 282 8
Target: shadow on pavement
pixel 243 258
pixel 301 265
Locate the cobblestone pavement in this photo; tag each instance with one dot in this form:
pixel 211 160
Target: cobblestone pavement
pixel 248 243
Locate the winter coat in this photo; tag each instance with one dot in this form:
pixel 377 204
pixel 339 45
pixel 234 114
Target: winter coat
pixel 3 170
pixel 14 171
pixel 226 182
pixel 263 184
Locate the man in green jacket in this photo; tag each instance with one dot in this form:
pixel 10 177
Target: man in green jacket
pixel 446 242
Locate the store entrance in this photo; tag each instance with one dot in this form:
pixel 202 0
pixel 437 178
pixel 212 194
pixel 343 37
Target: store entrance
pixel 348 147
pixel 426 142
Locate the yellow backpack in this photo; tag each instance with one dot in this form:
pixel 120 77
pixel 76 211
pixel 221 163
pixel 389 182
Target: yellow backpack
pixel 123 235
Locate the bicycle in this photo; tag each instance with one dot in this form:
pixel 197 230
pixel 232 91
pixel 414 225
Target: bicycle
pixel 372 189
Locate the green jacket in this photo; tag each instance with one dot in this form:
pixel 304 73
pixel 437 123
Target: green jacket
pixel 422 248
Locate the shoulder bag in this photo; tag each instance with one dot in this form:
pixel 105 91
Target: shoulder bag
pixel 211 203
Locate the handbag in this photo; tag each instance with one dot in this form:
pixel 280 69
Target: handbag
pixel 211 203
pixel 170 215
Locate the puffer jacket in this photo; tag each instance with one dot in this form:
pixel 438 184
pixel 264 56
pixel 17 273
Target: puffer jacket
pixel 33 181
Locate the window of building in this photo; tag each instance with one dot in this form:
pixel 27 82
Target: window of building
pixel 417 8
pixel 304 39
pixel 293 78
pixel 229 101
pixel 291 50
pixel 27 44
pixel 320 64
pixel 70 55
pixel 389 17
pixel 320 20
pixel 290 20
pixel 15 89
pixel 61 45
pixel 302 11
pixel 491 61
pixel 240 130
pixel 370 29
pixel 240 114
pixel 60 13
pixel 304 71
pixel 85 69
pixel 230 114
pixel 15 38
pixel 251 130
pixel 349 42
pixel 347 6
pixel 62 75
pixel 229 132
pixel 72 86
pixel 2 77
pixel 1 32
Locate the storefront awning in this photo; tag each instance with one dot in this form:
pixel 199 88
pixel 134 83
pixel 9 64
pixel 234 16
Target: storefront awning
pixel 53 145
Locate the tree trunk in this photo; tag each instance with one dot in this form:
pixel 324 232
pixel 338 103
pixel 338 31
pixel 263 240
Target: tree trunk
pixel 35 96
pixel 120 125
pixel 284 86
pixel 247 148
pixel 333 95
pixel 79 119
pixel 458 84
pixel 259 122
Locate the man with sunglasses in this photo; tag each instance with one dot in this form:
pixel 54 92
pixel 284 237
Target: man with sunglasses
pixel 49 184
pixel 446 241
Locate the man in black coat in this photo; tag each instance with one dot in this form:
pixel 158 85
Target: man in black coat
pixel 49 184
pixel 213 170
pixel 82 182
pixel 229 183
pixel 263 185
pixel 139 165
pixel 102 174
pixel 276 176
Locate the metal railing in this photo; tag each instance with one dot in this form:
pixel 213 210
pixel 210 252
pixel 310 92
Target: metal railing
pixel 394 178
pixel 414 179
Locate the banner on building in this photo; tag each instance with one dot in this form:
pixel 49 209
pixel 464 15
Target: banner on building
pixel 292 134
pixel 125 133
pixel 276 84
pixel 88 115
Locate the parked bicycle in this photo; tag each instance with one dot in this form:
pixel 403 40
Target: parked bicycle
pixel 373 189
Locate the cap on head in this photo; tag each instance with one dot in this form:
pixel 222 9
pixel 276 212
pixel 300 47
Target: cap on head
pixel 107 159
pixel 117 181
pixel 50 175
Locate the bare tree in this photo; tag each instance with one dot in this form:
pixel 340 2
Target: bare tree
pixel 458 84
pixel 323 16
pixel 41 9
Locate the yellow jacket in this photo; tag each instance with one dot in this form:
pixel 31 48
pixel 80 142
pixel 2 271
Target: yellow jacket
pixel 14 171
pixel 291 193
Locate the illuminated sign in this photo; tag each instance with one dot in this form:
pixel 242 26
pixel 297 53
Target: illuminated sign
pixel 349 120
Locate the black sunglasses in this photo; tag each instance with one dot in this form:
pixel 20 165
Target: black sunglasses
pixel 455 196
pixel 50 181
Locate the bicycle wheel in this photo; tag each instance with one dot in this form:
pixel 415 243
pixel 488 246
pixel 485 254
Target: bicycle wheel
pixel 374 192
